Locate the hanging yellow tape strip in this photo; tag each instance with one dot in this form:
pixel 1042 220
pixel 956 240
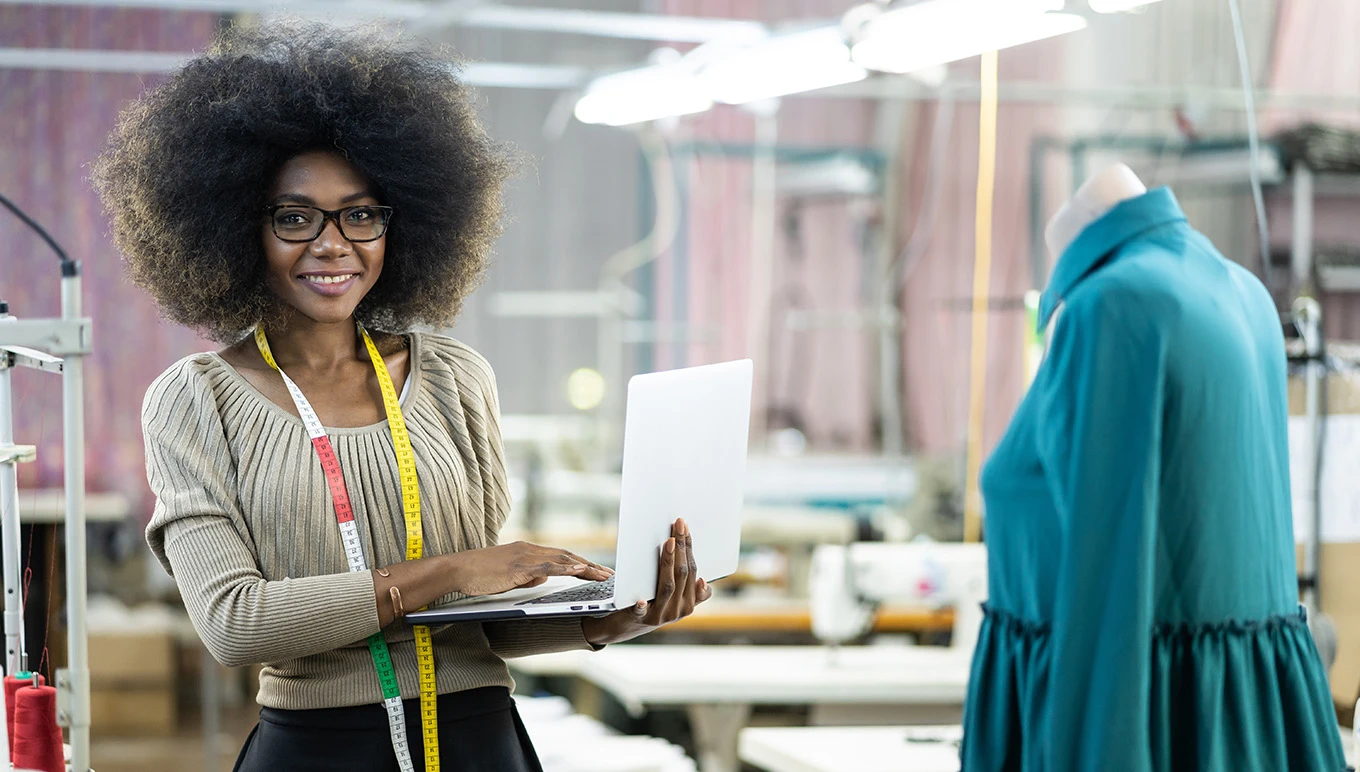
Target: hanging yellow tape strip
pixel 410 507
pixel 982 288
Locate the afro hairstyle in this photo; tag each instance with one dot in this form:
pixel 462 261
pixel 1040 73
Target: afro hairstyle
pixel 185 174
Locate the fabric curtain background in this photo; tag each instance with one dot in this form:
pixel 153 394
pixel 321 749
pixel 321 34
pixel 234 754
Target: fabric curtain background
pixel 827 375
pixel 52 125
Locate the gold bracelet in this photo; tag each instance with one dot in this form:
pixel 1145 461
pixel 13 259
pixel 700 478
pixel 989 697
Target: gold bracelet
pixel 398 610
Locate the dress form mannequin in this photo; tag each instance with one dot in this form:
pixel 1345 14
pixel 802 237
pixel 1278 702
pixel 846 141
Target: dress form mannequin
pixel 1093 199
pixel 1131 562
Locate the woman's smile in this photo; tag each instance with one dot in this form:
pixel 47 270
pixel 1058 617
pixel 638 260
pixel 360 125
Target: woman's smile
pixel 329 284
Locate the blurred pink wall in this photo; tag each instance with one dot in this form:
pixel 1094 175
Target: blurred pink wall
pixel 53 125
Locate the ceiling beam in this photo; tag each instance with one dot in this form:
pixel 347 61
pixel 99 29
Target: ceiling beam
pixel 476 74
pixel 423 17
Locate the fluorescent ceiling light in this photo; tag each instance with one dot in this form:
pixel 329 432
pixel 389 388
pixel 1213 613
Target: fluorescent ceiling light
pixel 935 32
pixel 1116 6
pixel 778 66
pixel 641 95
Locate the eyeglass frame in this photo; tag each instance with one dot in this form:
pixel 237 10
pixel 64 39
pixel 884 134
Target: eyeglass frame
pixel 330 214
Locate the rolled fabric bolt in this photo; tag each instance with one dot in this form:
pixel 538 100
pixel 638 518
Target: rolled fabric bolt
pixel 37 738
pixel 14 683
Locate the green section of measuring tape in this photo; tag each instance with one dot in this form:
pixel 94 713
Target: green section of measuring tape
pixel 382 662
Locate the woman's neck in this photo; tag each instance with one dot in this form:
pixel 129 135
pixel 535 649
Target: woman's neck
pixel 318 347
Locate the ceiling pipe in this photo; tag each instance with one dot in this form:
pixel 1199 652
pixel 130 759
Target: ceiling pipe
pixel 426 17
pixel 476 74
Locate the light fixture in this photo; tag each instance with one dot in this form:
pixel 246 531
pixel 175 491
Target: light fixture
pixel 641 95
pixel 781 65
pixel 935 32
pixel 1118 6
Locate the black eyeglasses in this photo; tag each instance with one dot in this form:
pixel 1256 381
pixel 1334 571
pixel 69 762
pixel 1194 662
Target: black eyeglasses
pixel 299 224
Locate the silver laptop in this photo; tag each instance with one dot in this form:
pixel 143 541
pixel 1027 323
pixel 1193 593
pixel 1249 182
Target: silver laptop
pixel 684 455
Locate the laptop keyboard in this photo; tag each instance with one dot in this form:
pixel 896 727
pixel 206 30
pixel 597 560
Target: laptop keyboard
pixel 588 592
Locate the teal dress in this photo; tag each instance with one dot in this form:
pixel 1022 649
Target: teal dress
pixel 1143 610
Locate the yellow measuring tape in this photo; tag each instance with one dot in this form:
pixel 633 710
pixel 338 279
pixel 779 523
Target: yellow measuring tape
pixel 410 507
pixel 410 500
pixel 982 283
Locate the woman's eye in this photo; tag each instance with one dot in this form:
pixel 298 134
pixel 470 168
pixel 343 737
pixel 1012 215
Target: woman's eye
pixel 292 219
pixel 360 215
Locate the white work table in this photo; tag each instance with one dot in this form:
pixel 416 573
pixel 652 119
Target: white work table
pixel 568 742
pixel 719 685
pixel 869 748
pixel 852 749
pixel 641 676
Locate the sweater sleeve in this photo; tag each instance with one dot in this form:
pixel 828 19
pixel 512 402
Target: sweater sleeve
pixel 516 638
pixel 199 535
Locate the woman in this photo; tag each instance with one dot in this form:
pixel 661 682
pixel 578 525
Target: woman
pixel 308 197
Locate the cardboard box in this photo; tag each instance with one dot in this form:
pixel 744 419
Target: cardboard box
pixel 133 677
pixel 132 658
pixel 133 711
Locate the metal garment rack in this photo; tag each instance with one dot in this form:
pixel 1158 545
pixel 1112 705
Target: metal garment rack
pixel 1305 186
pixel 55 346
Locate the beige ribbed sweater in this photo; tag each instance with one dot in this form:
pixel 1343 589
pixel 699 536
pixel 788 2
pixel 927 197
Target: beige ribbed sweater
pixel 245 523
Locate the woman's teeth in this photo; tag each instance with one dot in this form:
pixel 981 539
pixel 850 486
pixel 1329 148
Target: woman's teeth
pixel 330 279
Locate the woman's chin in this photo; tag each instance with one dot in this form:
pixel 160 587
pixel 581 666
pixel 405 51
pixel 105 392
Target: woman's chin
pixel 326 312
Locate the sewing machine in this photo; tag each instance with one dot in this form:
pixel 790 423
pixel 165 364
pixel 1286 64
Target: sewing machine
pixel 849 582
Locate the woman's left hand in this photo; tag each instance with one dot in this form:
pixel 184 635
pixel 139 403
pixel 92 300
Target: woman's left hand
pixel 678 590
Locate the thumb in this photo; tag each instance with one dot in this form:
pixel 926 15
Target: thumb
pixel 640 608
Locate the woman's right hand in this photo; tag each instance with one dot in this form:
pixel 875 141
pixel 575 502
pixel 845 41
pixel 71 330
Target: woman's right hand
pixel 506 567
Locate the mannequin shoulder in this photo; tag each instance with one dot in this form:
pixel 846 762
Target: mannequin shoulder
pixel 1119 308
pixel 1122 292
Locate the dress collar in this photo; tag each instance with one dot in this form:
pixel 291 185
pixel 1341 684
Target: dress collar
pixel 1126 220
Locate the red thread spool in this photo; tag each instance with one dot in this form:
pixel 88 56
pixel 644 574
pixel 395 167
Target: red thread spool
pixel 37 738
pixel 14 684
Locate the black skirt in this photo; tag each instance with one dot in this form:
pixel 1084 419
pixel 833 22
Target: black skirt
pixel 479 731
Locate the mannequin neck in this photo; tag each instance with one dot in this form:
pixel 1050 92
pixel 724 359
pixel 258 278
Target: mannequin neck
pixel 1092 200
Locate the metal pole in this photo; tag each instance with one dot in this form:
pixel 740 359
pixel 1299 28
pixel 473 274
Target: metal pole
pixel 891 120
pixel 73 440
pixel 9 533
pixel 1038 251
pixel 1301 245
pixel 9 525
pixel 1308 314
pixel 762 263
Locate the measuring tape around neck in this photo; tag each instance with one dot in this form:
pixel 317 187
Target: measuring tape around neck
pixel 354 551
